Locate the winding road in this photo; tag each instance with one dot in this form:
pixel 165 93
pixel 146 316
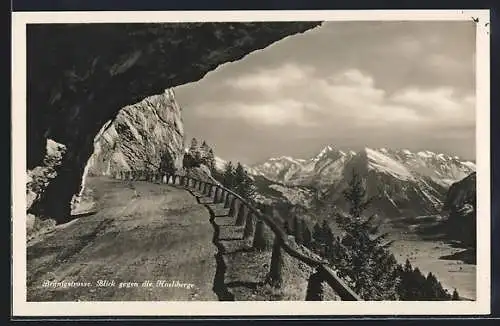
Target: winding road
pixel 141 232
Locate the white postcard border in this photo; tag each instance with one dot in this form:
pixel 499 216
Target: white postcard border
pixel 21 307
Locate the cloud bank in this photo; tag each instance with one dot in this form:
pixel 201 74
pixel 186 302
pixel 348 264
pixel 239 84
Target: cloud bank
pixel 384 84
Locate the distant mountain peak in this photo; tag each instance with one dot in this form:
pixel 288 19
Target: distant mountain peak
pixel 324 152
pixel 378 161
pixel 283 158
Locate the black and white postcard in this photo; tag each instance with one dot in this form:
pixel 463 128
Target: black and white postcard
pixel 251 163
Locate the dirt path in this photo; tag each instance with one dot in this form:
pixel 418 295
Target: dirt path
pixel 142 232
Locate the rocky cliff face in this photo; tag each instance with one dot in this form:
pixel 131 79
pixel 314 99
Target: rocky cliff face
pixel 138 136
pixel 461 194
pixel 80 76
pixel 460 206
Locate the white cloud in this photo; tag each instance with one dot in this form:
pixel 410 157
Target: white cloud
pixel 271 79
pixel 280 112
pixel 440 104
pixel 294 95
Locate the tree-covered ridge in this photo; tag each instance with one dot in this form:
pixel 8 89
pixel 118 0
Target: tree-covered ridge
pixel 198 154
pixel 360 253
pixel 237 179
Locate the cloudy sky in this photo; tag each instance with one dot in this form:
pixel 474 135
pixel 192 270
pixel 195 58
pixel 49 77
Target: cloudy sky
pixel 347 84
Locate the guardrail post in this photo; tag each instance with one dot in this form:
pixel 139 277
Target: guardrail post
pixel 232 208
pixel 263 238
pixel 216 194
pixel 220 199
pixel 240 219
pixel 275 276
pixel 227 202
pixel 315 291
pixel 249 226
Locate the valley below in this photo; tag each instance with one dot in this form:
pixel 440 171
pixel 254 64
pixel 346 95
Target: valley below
pixel 429 256
pixel 424 201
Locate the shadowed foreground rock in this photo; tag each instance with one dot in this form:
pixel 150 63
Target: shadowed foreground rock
pixel 81 75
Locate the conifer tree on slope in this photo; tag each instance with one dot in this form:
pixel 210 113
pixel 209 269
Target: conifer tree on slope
pixel 366 248
pixel 228 175
pixel 194 145
pixel 211 160
pixel 207 156
pixel 167 164
pixel 243 184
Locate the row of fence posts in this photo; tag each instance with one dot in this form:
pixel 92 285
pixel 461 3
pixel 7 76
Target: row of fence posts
pixel 254 229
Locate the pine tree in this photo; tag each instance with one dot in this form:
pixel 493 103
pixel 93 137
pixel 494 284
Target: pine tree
pixel 318 239
pixel 167 164
pixel 193 156
pixel 250 188
pixel 298 232
pixel 328 239
pixel 239 177
pixel 455 295
pixel 194 145
pixel 317 233
pixel 307 238
pixel 366 250
pixel 243 183
pixel 211 160
pixel 228 176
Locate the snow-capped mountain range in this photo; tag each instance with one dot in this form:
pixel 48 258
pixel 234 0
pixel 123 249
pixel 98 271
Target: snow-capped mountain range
pixel 330 164
pixel 406 183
